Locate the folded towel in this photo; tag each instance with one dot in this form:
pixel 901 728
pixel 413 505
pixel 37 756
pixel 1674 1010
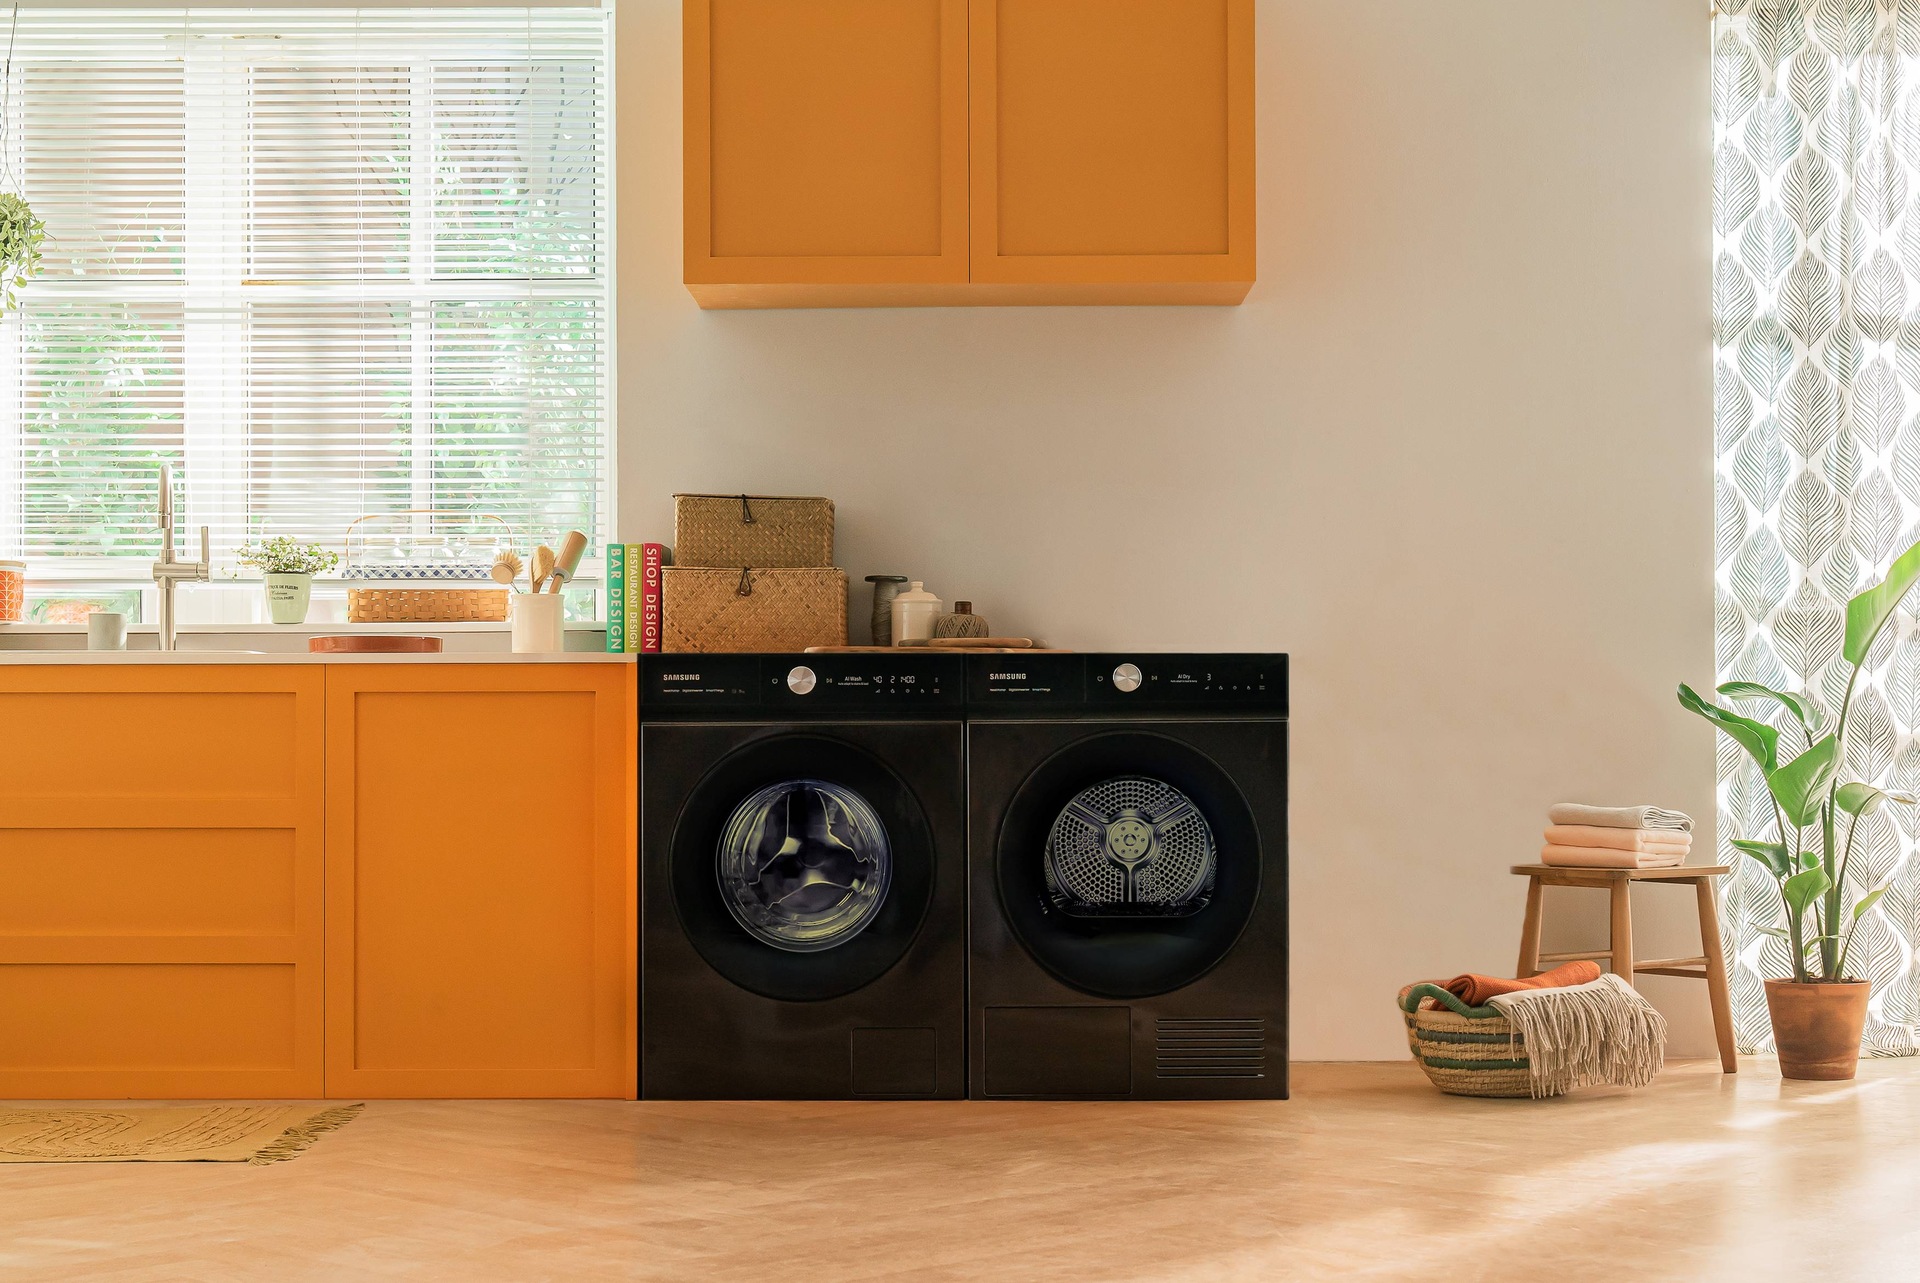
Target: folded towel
pixel 1620 817
pixel 1619 839
pixel 1601 1032
pixel 1474 989
pixel 1594 857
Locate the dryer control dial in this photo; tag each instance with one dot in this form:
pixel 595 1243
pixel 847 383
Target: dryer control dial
pixel 1126 678
pixel 800 679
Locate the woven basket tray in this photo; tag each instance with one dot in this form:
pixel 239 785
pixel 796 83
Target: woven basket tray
pixel 426 605
pixel 776 609
pixel 1465 1051
pixel 738 530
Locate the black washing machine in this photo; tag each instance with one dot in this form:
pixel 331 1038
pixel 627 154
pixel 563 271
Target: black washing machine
pixel 803 877
pixel 1127 876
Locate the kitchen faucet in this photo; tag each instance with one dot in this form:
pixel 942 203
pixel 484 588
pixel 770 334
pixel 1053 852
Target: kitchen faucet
pixel 167 572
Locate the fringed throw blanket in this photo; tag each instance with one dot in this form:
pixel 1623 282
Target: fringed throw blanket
pixel 1602 1032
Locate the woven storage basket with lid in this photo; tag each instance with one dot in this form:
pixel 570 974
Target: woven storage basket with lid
pixel 751 530
pixel 774 609
pixel 1465 1051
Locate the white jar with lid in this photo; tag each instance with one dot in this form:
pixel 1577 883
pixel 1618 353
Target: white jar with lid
pixel 913 614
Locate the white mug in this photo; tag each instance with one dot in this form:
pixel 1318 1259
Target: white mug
pixel 106 630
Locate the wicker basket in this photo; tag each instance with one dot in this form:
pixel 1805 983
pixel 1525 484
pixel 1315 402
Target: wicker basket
pixel 1465 1051
pixel 776 609
pixel 426 605
pixel 736 530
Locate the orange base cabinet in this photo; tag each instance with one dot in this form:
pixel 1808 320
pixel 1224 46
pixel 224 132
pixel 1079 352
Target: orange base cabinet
pixel 481 906
pixel 903 153
pixel 161 881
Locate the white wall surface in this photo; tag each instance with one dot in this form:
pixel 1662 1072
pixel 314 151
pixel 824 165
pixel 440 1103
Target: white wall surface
pixel 1453 454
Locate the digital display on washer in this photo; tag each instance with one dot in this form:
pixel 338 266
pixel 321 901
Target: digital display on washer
pixel 857 681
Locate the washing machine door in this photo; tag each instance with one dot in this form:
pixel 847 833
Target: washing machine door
pixel 1128 864
pixel 802 867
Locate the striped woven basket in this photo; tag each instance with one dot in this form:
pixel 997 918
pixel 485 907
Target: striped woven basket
pixel 1466 1051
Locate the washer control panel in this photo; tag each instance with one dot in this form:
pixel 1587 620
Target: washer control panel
pixel 1126 677
pixel 852 682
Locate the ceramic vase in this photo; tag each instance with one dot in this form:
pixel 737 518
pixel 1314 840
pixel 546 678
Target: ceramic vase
pixel 288 597
pixel 537 623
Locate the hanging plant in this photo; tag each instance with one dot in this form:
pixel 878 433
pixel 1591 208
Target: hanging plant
pixel 20 232
pixel 20 237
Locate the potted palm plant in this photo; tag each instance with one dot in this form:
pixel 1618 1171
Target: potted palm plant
pixel 1818 1013
pixel 288 566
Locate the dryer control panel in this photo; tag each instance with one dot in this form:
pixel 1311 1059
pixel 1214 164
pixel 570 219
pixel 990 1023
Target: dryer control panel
pixel 1103 685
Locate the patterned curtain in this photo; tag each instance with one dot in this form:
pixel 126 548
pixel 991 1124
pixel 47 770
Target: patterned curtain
pixel 1816 300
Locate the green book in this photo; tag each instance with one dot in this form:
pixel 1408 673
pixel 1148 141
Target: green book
pixel 617 599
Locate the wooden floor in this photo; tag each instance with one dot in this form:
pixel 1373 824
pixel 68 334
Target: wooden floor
pixel 1366 1174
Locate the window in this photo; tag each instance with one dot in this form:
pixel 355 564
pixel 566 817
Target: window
pixel 327 262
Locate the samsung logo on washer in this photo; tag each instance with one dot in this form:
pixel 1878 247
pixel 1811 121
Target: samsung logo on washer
pixel 1006 677
pixel 679 677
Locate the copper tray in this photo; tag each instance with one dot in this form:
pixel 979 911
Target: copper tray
pixel 376 645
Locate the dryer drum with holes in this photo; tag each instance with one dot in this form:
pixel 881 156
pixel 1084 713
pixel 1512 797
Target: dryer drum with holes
pixel 1127 876
pixel 802 877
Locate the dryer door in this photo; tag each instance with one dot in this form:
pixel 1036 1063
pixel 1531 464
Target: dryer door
pixel 1128 864
pixel 801 867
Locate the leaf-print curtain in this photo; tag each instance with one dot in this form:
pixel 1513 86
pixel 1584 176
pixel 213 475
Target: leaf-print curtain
pixel 1816 300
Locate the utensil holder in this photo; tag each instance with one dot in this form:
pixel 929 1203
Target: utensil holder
pixel 537 623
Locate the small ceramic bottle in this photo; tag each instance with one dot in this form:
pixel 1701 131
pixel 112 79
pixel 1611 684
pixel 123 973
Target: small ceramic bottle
pixel 913 612
pixel 961 623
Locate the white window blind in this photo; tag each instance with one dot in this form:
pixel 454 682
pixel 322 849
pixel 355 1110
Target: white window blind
pixel 327 262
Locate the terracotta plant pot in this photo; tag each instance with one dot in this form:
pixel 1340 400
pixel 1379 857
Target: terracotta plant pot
pixel 1816 1027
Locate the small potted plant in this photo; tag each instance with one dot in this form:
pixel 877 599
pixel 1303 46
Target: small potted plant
pixel 1819 1011
pixel 288 566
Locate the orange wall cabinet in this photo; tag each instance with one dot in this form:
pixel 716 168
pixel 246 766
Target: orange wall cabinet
pixel 826 149
pixel 161 881
pixel 480 880
pixel 925 152
pixel 1112 147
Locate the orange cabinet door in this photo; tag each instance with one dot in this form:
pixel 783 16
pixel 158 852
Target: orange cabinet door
pixel 480 880
pixel 826 150
pixel 161 894
pixel 1112 150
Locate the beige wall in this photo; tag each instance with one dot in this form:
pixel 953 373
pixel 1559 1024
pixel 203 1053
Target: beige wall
pixel 1453 453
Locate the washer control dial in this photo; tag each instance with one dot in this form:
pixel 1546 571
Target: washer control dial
pixel 800 679
pixel 1126 678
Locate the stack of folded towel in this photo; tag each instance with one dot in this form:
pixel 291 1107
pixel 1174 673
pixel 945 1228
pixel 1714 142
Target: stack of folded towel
pixel 1616 837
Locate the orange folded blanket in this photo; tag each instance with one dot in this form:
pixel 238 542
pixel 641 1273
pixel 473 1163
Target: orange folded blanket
pixel 1474 990
pixel 1619 839
pixel 1594 857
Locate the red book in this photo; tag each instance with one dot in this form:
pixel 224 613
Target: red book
pixel 652 557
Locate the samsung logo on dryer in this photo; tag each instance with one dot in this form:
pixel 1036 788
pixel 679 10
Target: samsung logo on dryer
pixel 1006 677
pixel 679 677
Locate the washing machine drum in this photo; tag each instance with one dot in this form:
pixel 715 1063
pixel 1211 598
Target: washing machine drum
pixel 804 865
pixel 801 866
pixel 1130 846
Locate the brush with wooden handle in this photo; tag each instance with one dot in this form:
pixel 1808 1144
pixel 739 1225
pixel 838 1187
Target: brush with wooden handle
pixel 572 549
pixel 541 568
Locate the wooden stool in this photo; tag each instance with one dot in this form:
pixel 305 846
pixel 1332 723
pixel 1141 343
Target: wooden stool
pixel 1710 967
